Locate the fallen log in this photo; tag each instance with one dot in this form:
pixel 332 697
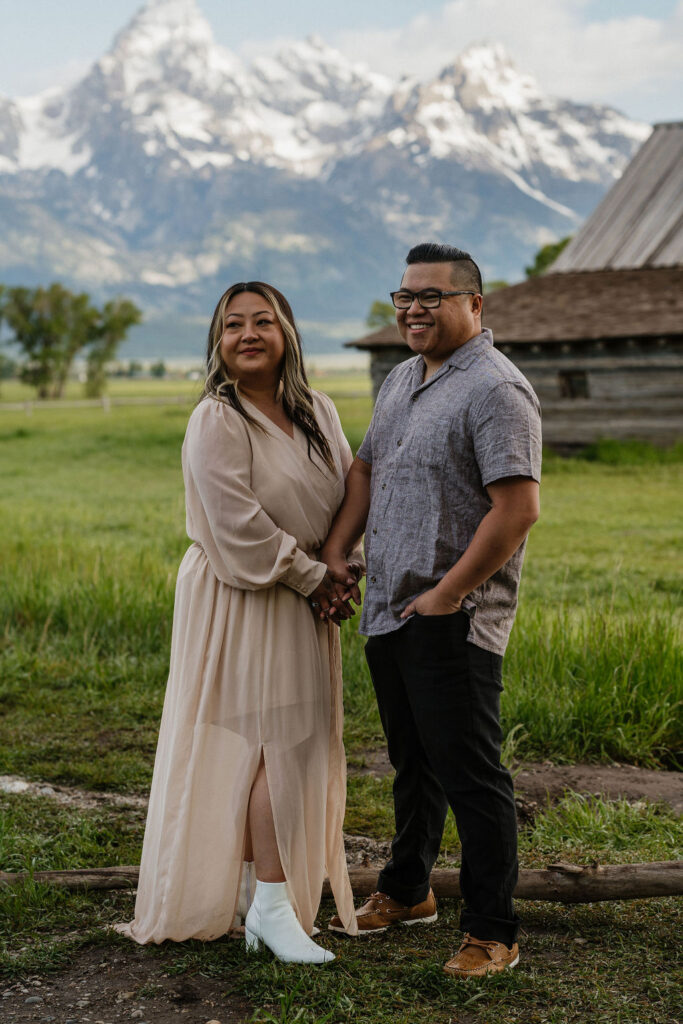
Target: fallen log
pixel 558 883
pixel 77 878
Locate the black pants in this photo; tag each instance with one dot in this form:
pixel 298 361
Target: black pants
pixel 439 701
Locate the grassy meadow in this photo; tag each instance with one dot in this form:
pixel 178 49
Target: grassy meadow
pixel 92 514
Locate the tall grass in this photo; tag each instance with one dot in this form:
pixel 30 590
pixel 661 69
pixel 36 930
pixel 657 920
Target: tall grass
pixel 615 830
pixel 87 600
pixel 588 684
pixel 84 655
pixel 93 532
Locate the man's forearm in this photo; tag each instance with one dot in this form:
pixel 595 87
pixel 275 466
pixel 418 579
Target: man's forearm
pixel 496 539
pixel 349 523
pixel 513 512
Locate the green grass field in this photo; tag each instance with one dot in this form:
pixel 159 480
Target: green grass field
pixel 92 507
pixel 93 531
pixel 337 383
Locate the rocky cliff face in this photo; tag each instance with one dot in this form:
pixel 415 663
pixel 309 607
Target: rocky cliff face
pixel 171 169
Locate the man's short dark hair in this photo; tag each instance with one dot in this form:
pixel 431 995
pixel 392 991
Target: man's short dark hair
pixel 464 270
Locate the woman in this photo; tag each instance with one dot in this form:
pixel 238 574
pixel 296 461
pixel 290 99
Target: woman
pixel 250 760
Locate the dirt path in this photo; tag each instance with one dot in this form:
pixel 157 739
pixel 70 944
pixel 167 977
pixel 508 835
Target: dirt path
pixel 535 783
pixel 105 986
pixel 538 781
pixel 70 796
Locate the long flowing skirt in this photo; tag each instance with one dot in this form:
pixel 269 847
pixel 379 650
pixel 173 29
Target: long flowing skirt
pixel 252 674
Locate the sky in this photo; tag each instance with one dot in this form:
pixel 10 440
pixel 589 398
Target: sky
pixel 623 53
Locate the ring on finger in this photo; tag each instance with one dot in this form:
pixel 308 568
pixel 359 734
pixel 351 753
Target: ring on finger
pixel 315 604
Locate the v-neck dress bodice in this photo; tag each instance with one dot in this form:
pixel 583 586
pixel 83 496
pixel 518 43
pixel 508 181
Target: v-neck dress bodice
pixel 252 673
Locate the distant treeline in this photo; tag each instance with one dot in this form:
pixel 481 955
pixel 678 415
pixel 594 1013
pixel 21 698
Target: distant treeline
pixel 51 326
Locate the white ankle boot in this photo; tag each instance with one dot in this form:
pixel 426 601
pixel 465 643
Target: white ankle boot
pixel 272 921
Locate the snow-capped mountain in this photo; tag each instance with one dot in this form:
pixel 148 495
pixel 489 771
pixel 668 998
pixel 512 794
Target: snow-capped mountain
pixel 485 113
pixel 329 99
pixel 171 168
pixel 480 154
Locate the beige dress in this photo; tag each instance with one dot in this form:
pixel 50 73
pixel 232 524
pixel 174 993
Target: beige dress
pixel 252 671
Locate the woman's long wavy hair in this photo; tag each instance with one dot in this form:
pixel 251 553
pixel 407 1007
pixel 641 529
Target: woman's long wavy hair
pixel 297 398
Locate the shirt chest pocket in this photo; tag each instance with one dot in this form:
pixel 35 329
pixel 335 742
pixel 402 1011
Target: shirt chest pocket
pixel 428 448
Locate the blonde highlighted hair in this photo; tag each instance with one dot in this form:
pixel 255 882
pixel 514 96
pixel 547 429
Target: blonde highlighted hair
pixel 297 397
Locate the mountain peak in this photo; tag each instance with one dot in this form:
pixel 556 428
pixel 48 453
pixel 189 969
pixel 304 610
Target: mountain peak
pixel 486 55
pixel 487 77
pixel 316 42
pixel 161 23
pixel 309 71
pixel 177 12
pixel 169 43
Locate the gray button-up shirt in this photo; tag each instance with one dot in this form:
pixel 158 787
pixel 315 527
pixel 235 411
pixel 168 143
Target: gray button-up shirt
pixel 434 447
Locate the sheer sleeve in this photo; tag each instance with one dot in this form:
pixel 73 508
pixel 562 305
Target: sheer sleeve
pixel 245 548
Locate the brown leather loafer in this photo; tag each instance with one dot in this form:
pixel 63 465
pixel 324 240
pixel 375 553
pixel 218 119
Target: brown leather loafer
pixel 477 957
pixel 381 912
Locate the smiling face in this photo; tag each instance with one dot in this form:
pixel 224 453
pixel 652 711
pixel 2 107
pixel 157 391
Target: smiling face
pixel 436 333
pixel 253 342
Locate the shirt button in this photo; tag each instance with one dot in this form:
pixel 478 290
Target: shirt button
pixel 384 487
pixel 374 529
pixel 399 443
pixel 373 579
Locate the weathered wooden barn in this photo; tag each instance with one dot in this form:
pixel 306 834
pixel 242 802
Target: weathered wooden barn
pixel 600 336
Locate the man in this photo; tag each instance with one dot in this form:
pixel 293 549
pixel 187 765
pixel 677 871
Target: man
pixel 445 486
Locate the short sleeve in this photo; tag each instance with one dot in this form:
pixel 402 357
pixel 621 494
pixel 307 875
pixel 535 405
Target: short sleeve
pixel 506 432
pixel 245 548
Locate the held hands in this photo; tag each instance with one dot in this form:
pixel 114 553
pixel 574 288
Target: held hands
pixel 330 600
pixel 343 572
pixel 432 602
pixel 339 585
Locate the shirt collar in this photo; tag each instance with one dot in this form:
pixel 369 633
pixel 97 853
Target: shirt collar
pixel 459 360
pixel 467 353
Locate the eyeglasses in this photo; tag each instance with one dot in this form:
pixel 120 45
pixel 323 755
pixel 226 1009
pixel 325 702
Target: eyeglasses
pixel 428 298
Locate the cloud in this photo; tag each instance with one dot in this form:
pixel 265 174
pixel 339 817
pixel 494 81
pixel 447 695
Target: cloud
pixel 591 61
pixel 36 79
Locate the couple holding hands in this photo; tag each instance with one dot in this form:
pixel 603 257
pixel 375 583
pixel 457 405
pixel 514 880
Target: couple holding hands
pixel 247 801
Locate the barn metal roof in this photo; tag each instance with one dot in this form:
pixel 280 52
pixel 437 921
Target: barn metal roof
pixel 639 223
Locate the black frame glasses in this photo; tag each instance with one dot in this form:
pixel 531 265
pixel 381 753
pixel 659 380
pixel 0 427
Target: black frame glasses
pixel 424 297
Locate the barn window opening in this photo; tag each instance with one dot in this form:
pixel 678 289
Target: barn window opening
pixel 573 384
